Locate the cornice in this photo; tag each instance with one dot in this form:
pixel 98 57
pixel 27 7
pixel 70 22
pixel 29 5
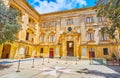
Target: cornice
pixel 26 7
pixel 69 11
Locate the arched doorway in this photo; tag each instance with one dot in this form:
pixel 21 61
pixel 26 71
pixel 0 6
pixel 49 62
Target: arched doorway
pixel 6 51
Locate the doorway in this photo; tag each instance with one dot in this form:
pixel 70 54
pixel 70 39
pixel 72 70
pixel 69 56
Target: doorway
pixel 70 48
pixel 6 51
pixel 51 53
pixel 92 54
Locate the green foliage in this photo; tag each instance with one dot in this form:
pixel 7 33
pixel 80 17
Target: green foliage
pixel 114 56
pixel 104 30
pixel 119 59
pixel 9 25
pixel 110 9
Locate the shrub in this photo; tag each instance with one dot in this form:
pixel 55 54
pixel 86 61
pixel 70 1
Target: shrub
pixel 114 56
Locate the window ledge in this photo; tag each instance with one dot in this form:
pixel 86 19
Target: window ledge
pixel 91 41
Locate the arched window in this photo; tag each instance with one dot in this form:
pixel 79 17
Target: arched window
pixel 91 36
pixel 104 36
pixel 52 38
pixel 30 35
pixel 42 38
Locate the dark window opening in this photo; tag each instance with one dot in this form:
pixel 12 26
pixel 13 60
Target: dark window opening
pixel 27 36
pixel 32 39
pixel 27 51
pixel 89 19
pixel 41 50
pixel 105 51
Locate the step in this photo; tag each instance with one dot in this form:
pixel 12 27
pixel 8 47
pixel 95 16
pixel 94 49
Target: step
pixel 69 58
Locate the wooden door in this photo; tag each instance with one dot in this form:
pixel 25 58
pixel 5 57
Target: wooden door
pixel 51 53
pixel 6 51
pixel 70 48
pixel 92 54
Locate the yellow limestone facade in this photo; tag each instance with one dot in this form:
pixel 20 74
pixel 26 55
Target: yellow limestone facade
pixel 74 33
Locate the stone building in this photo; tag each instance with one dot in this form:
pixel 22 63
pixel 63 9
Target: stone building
pixel 73 33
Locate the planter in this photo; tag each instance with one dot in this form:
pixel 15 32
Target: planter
pixel 114 61
pixel 108 60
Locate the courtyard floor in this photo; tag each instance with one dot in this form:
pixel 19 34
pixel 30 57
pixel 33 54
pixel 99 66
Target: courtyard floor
pixel 62 69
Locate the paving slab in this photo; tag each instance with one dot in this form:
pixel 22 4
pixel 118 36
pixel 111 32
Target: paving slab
pixel 62 69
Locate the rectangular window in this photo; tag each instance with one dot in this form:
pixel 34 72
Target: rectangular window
pixel 42 38
pixel 84 52
pixel 91 49
pixel 43 24
pixel 32 39
pixel 89 19
pixel 70 44
pixel 57 51
pixel 69 21
pixel 104 37
pixel 90 36
pixel 27 51
pixel 105 51
pixel 22 50
pixel 51 38
pixel 30 20
pixel 101 19
pixel 52 23
pixel 27 36
pixel 41 50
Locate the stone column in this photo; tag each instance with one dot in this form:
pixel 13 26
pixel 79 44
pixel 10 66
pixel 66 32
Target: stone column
pixel 1 48
pixel 24 23
pixel 58 30
pixel 37 34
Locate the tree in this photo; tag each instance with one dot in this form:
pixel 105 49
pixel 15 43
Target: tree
pixel 110 9
pixel 9 25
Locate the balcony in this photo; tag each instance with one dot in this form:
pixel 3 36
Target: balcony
pixel 91 42
pixel 87 24
pixel 104 42
pixel 29 41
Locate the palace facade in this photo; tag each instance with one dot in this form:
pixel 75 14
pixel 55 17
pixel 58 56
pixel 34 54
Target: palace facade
pixel 73 33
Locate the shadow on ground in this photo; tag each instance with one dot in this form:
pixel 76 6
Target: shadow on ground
pixel 115 68
pixel 5 66
pixel 98 73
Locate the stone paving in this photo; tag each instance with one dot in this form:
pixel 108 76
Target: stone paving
pixel 62 69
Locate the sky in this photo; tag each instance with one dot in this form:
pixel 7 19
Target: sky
pixel 47 6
